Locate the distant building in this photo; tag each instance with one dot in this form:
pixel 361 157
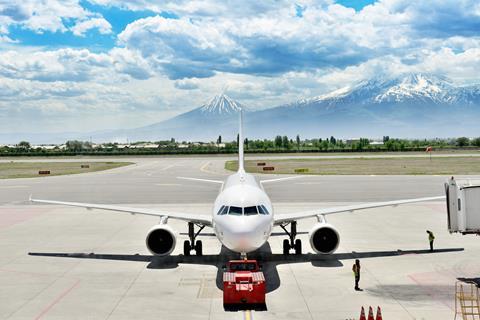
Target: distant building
pixel 45 147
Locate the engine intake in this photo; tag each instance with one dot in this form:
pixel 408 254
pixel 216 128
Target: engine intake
pixel 324 238
pixel 161 240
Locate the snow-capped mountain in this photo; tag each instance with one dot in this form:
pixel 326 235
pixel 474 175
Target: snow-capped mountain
pixel 417 86
pixel 415 106
pixel 409 88
pixel 221 104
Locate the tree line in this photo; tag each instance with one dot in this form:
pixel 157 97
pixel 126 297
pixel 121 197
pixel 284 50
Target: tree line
pixel 277 144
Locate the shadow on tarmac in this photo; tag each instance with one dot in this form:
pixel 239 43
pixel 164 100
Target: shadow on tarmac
pixel 268 260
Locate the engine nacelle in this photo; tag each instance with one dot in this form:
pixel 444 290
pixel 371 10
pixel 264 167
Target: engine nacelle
pixel 161 240
pixel 324 238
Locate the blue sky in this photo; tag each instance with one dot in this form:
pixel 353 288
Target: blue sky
pixel 126 64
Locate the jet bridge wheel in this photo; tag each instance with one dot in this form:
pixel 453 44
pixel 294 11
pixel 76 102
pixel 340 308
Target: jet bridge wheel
pixel 186 248
pixel 199 248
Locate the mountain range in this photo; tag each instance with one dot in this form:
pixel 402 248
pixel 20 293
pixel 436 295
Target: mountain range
pixel 411 106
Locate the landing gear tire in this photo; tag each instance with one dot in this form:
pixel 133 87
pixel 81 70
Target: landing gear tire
pixel 186 248
pixel 298 246
pixel 286 246
pixel 199 248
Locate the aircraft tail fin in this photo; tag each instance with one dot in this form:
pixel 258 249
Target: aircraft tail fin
pixel 240 142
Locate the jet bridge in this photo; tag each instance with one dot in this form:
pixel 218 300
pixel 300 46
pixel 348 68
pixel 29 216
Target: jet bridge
pixel 463 205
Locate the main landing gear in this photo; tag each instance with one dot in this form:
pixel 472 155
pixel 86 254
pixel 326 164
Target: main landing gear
pixel 189 245
pixel 291 243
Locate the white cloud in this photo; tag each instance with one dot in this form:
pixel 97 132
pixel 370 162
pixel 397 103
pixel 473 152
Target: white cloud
pixel 103 26
pixel 261 52
pixel 186 84
pixel 50 16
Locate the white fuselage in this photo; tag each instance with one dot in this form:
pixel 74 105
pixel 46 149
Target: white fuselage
pixel 244 225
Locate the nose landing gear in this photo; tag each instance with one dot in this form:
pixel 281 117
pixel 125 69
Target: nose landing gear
pixel 189 245
pixel 291 243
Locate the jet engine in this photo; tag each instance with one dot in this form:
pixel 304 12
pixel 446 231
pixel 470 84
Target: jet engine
pixel 161 240
pixel 324 238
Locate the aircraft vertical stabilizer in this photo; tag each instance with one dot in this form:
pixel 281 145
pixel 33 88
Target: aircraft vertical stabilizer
pixel 240 142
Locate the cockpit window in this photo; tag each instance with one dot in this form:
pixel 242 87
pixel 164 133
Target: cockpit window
pixel 250 211
pixel 262 210
pixel 223 210
pixel 236 211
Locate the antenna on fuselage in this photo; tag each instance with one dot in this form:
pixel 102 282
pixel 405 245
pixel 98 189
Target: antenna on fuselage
pixel 240 142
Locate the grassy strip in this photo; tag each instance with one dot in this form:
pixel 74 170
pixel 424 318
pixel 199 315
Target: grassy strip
pixel 366 166
pixel 11 170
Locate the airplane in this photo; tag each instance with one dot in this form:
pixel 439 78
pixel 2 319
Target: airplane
pixel 242 218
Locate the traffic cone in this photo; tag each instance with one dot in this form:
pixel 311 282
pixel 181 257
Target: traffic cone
pixel 362 314
pixel 370 313
pixel 379 314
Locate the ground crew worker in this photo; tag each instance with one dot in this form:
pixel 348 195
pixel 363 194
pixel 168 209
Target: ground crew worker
pixel 431 237
pixel 356 273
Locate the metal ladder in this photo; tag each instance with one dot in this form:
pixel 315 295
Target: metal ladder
pixel 467 300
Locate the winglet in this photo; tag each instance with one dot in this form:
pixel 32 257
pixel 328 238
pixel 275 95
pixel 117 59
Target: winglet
pixel 30 198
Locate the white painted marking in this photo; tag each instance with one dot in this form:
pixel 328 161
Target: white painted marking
pixel 13 187
pixel 168 167
pixel 308 183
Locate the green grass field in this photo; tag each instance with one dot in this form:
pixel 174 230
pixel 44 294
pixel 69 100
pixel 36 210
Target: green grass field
pixel 13 169
pixel 366 166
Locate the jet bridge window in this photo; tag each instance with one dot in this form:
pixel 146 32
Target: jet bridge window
pixel 250 211
pixel 262 210
pixel 236 211
pixel 223 210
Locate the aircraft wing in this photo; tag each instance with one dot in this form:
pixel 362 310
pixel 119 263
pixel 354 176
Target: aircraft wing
pixel 288 217
pixel 190 217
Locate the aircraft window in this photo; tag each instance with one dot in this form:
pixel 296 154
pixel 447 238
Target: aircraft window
pixel 223 210
pixel 262 209
pixel 236 211
pixel 250 211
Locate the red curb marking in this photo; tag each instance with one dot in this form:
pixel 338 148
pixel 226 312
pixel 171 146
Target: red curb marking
pixel 57 300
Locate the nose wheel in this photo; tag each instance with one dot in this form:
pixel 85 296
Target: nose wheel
pixel 291 242
pixel 189 245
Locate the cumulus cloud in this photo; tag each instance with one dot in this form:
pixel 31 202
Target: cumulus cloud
pixel 267 53
pixel 103 26
pixel 73 65
pixel 325 36
pixel 185 48
pixel 212 8
pixel 186 84
pixel 51 16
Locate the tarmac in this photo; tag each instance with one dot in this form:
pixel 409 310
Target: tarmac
pixel 70 263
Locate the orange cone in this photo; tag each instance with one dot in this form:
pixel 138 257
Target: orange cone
pixel 362 314
pixel 379 314
pixel 370 313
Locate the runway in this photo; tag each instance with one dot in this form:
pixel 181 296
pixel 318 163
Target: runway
pixel 94 264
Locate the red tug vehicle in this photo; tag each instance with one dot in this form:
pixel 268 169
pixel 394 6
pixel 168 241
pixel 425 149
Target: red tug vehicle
pixel 243 286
